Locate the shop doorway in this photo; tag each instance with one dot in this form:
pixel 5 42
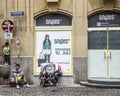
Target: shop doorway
pixel 104 54
pixel 104 46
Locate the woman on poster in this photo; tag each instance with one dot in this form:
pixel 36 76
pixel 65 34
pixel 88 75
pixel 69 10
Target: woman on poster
pixel 46 50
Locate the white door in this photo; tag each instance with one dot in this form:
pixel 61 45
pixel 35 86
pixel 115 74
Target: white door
pixel 104 54
pixel 114 54
pixel 96 63
pixel 97 54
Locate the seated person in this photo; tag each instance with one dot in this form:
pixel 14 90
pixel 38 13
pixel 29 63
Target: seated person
pixel 17 75
pixel 57 70
pixel 46 69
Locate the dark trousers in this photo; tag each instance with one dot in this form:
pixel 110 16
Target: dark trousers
pixel 47 58
pixel 7 59
pixel 57 75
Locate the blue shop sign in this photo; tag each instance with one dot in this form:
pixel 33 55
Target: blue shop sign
pixel 54 19
pixel 104 19
pixel 21 13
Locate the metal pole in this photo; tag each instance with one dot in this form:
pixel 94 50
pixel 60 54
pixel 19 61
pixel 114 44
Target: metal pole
pixel 107 53
pixel 18 40
pixel 8 25
pixel 9 40
pixel 18 46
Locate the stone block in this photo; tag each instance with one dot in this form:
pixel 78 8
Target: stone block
pixel 79 69
pixel 5 71
pixel 1 80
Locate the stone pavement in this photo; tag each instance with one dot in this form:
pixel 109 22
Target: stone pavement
pixel 60 90
pixel 66 88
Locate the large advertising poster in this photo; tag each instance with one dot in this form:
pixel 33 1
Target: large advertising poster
pixel 60 49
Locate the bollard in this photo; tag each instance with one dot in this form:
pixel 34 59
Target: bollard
pixel 4 73
pixel 1 81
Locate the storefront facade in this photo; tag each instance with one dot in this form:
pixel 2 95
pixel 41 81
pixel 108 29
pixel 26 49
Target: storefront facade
pixel 83 34
pixel 103 46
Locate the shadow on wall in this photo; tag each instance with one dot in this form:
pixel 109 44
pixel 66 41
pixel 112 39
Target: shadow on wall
pixel 29 75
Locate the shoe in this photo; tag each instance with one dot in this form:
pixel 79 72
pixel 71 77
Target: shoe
pixel 57 84
pixel 27 86
pixel 17 86
pixel 50 83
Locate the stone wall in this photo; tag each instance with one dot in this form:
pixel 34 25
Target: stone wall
pixel 79 40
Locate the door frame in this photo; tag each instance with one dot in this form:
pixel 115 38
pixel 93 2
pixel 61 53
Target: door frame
pixel 103 28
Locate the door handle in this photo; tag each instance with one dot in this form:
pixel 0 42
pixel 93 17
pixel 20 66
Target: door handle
pixel 104 55
pixel 110 56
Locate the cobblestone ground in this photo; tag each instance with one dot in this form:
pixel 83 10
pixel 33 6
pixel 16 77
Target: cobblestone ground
pixel 59 91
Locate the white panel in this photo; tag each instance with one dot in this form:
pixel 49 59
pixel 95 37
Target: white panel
pixel 103 28
pixel 54 28
pixel 114 64
pixel 52 0
pixel 96 63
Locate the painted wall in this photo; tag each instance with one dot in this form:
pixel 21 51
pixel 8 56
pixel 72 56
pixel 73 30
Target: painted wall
pixel 25 30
